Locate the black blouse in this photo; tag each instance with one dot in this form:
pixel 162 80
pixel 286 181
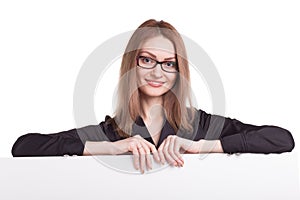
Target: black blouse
pixel 235 137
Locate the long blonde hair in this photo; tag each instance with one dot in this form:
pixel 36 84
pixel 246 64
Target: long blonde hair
pixel 174 101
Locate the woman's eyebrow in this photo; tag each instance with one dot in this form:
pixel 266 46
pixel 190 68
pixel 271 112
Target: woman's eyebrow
pixel 170 58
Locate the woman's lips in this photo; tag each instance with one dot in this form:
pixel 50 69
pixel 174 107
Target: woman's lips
pixel 155 83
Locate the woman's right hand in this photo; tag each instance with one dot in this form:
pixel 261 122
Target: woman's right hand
pixel 140 149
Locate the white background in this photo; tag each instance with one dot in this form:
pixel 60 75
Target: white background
pixel 84 177
pixel 255 46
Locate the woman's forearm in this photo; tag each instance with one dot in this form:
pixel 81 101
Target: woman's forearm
pixel 115 148
pixel 102 148
pixel 209 146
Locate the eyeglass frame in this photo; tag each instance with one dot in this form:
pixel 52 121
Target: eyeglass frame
pixel 156 63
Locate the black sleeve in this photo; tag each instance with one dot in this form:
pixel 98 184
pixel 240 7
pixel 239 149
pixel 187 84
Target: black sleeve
pixel 238 137
pixel 56 144
pixel 69 142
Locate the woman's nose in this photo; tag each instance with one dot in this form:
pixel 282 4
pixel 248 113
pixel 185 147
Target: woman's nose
pixel 157 71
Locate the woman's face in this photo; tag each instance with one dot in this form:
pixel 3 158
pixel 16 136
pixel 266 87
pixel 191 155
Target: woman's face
pixel 155 82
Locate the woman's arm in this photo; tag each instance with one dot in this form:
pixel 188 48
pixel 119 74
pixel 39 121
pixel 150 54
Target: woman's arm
pixel 208 146
pixel 102 148
pixel 217 134
pixel 261 139
pixel 57 144
pixel 70 142
pixel 238 137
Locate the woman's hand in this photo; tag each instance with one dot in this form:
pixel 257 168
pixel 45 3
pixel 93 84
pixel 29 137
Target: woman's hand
pixel 140 149
pixel 171 148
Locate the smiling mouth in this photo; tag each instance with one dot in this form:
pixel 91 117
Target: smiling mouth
pixel 155 83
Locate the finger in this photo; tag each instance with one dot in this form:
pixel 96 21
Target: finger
pixel 135 153
pixel 147 155
pixel 172 153
pixel 161 153
pixel 171 149
pixel 177 147
pixel 153 149
pixel 168 157
pixel 142 159
pixel 154 152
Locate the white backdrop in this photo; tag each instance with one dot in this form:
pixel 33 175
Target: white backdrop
pixel 255 46
pixel 85 177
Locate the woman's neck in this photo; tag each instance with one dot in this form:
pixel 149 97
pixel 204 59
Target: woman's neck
pixel 152 107
pixel 153 115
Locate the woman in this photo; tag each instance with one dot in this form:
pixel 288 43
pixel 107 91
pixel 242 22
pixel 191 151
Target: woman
pixel 154 114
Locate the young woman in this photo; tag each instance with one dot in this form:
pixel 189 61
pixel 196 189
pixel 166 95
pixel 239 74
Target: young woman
pixel 154 114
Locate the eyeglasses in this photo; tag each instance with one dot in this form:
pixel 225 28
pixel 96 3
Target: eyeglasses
pixel 149 63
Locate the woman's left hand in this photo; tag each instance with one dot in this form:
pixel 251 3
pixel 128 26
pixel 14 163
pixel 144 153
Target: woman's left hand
pixel 172 146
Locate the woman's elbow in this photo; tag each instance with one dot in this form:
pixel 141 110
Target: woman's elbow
pixel 22 146
pixel 286 140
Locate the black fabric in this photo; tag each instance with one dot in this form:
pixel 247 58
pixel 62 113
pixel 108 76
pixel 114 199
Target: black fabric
pixel 235 137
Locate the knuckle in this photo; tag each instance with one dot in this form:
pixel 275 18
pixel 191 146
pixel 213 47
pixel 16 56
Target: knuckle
pixel 131 146
pixel 151 146
pixel 132 143
pixel 147 151
pixel 137 136
pixel 135 154
pixel 171 136
pixel 154 150
pixel 142 152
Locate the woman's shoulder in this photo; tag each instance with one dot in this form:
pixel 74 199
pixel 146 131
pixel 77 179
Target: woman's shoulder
pixel 197 112
pixel 105 130
pixel 109 124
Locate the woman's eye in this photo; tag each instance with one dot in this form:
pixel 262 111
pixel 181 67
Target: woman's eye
pixel 170 64
pixel 147 60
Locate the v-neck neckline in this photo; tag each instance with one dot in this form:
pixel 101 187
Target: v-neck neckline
pixel 139 128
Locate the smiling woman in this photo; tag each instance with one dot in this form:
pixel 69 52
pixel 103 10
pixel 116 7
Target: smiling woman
pixel 154 81
pixel 154 114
